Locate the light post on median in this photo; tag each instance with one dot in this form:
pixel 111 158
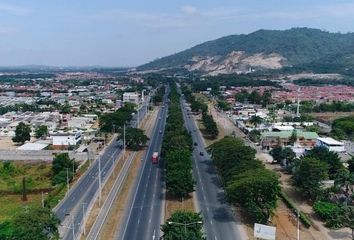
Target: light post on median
pixel 185 224
pixel 72 223
pixel 83 219
pixel 298 224
pixel 99 181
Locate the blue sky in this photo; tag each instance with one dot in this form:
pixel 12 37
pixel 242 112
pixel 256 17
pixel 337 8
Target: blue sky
pixel 132 32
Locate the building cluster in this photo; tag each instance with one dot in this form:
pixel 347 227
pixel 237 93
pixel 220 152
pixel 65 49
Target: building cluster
pixel 68 108
pixel 314 93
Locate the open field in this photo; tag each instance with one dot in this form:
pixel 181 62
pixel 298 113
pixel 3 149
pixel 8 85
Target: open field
pixel 10 205
pixel 37 176
pixel 330 116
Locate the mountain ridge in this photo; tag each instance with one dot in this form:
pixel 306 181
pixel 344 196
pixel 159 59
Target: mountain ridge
pixel 294 47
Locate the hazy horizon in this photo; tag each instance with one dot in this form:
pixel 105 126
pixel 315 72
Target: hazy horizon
pixel 110 34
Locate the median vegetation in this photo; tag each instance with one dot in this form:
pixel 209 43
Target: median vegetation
pixel 210 130
pixel 177 150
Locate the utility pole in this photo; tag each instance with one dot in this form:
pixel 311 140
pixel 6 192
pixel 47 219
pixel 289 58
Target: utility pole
pixel 72 221
pixel 42 200
pixel 124 140
pixel 298 224
pixel 67 180
pixel 99 180
pixel 138 118
pixel 298 103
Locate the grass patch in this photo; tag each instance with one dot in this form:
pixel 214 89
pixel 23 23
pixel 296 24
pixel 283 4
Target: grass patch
pixel 10 205
pixel 37 176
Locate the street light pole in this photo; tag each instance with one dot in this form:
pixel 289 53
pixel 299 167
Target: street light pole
pixel 83 219
pixel 67 180
pixel 72 221
pixel 99 180
pixel 124 140
pixel 298 224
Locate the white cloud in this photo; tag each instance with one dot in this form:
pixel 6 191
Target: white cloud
pixel 189 9
pixel 12 9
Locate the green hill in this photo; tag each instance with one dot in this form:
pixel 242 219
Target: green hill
pixel 300 47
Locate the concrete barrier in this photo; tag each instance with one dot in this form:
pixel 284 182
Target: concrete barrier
pixel 41 155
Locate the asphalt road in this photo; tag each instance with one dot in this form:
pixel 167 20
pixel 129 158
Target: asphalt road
pixel 143 215
pixel 71 210
pixel 219 221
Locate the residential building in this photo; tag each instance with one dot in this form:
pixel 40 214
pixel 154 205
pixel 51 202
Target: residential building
pixel 275 139
pixel 331 144
pixel 131 97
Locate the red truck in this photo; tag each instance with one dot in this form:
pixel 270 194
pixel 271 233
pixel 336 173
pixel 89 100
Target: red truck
pixel 155 158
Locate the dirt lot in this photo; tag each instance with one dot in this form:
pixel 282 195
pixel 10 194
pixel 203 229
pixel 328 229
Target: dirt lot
pixel 330 117
pixel 6 143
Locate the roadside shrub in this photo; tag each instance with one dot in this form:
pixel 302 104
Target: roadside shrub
pixel 330 212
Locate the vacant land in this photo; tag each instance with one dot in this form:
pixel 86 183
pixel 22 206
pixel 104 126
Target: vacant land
pixel 37 176
pixel 329 117
pixel 10 205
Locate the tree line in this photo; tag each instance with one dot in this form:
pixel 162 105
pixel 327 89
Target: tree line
pixel 254 97
pixel 210 127
pixel 177 150
pixel 246 181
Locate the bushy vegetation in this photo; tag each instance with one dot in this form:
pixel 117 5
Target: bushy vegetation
pixel 183 225
pixel 246 181
pixel 177 150
pixel 319 82
pixel 254 97
pixel 31 224
pixel 343 128
pixel 310 106
pixel 158 97
pixel 135 139
pixel 63 167
pixel 114 121
pixel 210 128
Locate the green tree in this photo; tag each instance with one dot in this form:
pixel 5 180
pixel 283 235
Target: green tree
pixel 256 120
pixel 345 179
pixel 254 97
pixel 135 138
pixel 331 158
pixel 35 224
pixel 309 174
pixel 183 225
pixel 41 131
pixel 60 164
pixel 293 137
pixel 257 190
pixel 266 98
pixel 242 96
pixel 255 135
pixel 351 165
pixel 22 133
pixel 224 106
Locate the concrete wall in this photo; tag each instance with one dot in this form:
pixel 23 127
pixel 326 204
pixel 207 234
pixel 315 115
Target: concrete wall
pixel 33 155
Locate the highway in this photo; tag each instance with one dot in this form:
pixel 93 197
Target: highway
pixel 143 215
pixel 219 220
pixel 74 206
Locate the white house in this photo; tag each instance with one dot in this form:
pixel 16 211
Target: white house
pixel 331 144
pixel 131 97
pixel 66 139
